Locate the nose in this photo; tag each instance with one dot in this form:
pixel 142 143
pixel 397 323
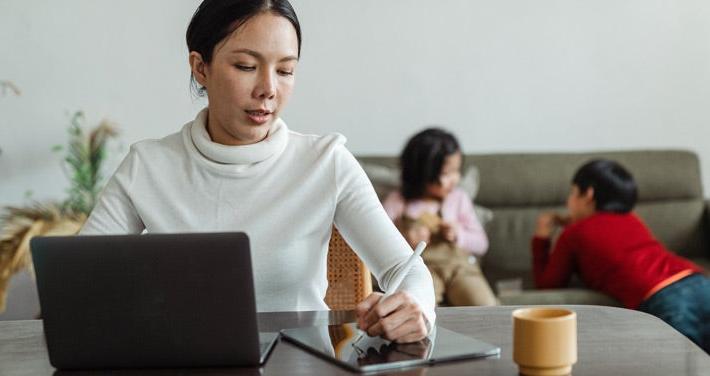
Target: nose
pixel 266 86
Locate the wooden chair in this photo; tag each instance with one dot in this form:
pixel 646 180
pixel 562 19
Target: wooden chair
pixel 349 279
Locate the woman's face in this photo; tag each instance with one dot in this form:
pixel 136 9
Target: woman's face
pixel 249 80
pixel 449 178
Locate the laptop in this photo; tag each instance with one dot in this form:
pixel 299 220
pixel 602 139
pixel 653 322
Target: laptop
pixel 149 301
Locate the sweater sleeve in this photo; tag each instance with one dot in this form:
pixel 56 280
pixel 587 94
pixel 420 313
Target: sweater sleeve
pixel 114 212
pixel 368 229
pixel 471 235
pixel 552 270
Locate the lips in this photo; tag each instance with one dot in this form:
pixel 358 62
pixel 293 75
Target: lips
pixel 259 116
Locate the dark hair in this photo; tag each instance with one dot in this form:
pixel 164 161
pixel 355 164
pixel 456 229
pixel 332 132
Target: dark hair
pixel 614 187
pixel 214 20
pixel 422 159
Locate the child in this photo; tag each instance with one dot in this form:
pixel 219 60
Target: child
pixel 429 207
pixel 614 252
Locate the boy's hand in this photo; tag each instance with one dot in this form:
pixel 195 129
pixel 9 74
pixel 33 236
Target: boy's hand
pixel 546 223
pixel 449 231
pixel 563 219
pixel 397 318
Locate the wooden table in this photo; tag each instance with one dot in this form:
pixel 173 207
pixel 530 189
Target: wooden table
pixel 612 341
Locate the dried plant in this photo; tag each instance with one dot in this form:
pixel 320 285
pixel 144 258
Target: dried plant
pixel 6 86
pixel 19 225
pixel 84 159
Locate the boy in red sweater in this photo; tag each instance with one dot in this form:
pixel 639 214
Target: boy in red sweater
pixel 615 253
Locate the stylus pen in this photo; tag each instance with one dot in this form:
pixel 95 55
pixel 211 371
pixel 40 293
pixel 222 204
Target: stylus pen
pixel 394 285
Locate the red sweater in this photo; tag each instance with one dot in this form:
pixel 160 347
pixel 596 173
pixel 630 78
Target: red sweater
pixel 613 253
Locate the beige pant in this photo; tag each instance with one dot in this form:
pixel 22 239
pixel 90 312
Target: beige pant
pixel 456 280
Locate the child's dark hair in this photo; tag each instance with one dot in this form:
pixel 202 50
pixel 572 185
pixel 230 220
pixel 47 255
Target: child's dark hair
pixel 422 159
pixel 614 187
pixel 214 20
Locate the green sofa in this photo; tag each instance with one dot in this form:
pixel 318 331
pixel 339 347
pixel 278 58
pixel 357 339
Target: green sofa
pixel 517 187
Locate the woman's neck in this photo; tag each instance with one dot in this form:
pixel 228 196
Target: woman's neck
pixel 245 154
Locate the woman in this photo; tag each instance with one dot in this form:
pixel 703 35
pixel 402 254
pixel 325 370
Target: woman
pixel 238 167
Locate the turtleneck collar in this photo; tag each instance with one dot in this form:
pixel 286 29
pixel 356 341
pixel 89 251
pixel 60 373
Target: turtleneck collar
pixel 271 146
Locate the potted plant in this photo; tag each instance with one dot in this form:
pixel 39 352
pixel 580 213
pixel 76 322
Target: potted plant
pixel 83 161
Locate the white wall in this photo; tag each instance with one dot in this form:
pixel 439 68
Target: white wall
pixel 505 75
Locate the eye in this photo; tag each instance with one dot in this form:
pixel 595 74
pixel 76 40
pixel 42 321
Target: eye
pixel 244 68
pixel 285 72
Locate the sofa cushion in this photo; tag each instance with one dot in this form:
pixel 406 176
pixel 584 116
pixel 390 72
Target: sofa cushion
pixel 385 178
pixel 678 224
pixel 543 179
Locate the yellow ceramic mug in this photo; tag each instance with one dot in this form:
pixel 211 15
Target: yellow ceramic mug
pixel 544 341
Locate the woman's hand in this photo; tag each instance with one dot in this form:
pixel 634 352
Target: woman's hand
pixel 449 231
pixel 396 318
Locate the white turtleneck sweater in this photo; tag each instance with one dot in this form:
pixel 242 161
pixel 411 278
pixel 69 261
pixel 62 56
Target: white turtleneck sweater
pixel 284 192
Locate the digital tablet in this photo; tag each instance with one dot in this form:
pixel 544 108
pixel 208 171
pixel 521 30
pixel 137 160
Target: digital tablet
pixel 343 345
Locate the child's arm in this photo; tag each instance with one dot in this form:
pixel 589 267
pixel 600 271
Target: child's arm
pixel 415 233
pixel 552 270
pixel 394 205
pixel 412 232
pixel 470 235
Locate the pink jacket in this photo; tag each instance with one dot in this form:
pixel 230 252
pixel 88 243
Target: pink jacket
pixel 457 208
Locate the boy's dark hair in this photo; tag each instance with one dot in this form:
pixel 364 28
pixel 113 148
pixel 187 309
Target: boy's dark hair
pixel 614 187
pixel 422 159
pixel 214 20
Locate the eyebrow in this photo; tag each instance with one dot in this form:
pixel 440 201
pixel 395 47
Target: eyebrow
pixel 260 56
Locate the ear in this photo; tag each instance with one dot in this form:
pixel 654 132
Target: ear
pixel 589 194
pixel 199 67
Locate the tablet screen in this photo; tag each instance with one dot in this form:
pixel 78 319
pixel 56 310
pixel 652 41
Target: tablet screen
pixel 345 345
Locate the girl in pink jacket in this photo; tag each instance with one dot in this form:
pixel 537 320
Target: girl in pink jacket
pixel 430 207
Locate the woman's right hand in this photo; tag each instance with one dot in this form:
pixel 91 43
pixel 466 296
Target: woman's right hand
pixel 397 318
